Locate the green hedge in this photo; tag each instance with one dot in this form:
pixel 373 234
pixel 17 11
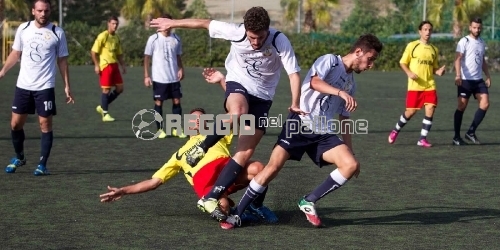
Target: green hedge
pixel 199 53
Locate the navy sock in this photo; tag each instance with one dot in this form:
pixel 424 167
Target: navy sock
pixel 401 123
pixel 112 96
pixel 104 102
pixel 47 139
pixel 478 118
pixel 177 110
pixel 158 109
pixel 426 127
pixel 226 178
pixel 334 181
pixel 458 122
pixel 253 191
pixel 210 141
pixel 18 142
pixel 259 201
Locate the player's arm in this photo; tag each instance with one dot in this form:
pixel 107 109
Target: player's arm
pixel 486 72
pixel 163 24
pixel 438 70
pixel 94 53
pixel 180 73
pixel 405 61
pixel 119 56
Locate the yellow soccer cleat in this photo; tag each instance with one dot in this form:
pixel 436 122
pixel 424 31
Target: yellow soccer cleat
pixel 99 110
pixel 162 134
pixel 108 118
pixel 181 135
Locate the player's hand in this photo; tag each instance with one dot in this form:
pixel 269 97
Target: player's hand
pixel 350 102
pixel 114 194
pixel 441 71
pixel 97 70
pixel 69 97
pixel 180 74
pixel 161 24
pixel 412 76
pixel 297 110
pixel 124 69
pixel 458 80
pixel 487 82
pixel 147 81
pixel 212 75
pixel 2 74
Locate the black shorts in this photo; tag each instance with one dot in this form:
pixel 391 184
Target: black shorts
pixel 297 140
pixel 257 107
pixel 27 101
pixel 471 87
pixel 165 91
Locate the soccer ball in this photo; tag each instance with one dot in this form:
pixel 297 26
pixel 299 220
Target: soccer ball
pixel 144 124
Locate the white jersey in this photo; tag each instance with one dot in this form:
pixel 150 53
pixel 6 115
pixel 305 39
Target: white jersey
pixel 257 70
pixel 323 108
pixel 473 51
pixel 40 49
pixel 164 51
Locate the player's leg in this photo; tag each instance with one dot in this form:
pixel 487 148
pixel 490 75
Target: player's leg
pixel 430 104
pixel 413 104
pixel 105 81
pixel 236 104
pixel 329 150
pixel 160 94
pixel 257 207
pixel 463 95
pixel 176 94
pixel 46 109
pixel 117 80
pixel 481 94
pixel 22 105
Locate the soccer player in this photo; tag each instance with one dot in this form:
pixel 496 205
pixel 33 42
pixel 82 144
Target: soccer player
pixel 201 176
pixel 40 45
pixel 420 63
pixel 258 54
pixel 469 65
pixel 326 91
pixel 164 50
pixel 107 53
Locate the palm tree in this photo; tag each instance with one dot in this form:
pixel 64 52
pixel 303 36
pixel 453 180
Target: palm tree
pixel 463 11
pixel 19 7
pixel 148 9
pixel 317 14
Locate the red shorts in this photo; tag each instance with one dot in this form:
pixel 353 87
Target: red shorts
pixel 417 99
pixel 110 76
pixel 205 178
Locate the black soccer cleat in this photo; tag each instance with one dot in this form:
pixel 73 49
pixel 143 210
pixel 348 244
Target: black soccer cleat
pixel 458 141
pixel 472 138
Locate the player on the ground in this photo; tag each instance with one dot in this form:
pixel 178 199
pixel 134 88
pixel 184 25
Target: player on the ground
pixel 40 45
pixel 420 63
pixel 258 54
pixel 469 65
pixel 106 54
pixel 201 176
pixel 326 91
pixel 164 50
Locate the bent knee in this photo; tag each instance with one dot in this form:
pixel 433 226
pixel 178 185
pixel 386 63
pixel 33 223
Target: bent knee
pixel 349 165
pixel 254 168
pixel 484 105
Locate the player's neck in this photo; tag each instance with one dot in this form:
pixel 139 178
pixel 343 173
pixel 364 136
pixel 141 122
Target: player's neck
pixel 473 37
pixel 111 32
pixel 39 25
pixel 424 41
pixel 348 61
pixel 165 34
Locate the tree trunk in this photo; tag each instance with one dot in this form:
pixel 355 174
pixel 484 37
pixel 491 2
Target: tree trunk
pixel 146 21
pixel 457 29
pixel 309 22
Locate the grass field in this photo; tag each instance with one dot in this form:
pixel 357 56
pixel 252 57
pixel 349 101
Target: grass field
pixel 406 197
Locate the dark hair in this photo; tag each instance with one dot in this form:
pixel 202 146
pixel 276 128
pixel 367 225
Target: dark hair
pixel 166 15
pixel 367 42
pixel 197 110
pixel 43 1
pixel 424 23
pixel 476 20
pixel 256 19
pixel 112 18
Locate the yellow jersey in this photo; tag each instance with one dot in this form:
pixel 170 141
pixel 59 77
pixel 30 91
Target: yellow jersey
pixel 178 163
pixel 108 47
pixel 422 59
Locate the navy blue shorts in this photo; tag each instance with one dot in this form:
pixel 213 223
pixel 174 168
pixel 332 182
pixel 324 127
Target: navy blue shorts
pixel 164 91
pixel 27 101
pixel 257 107
pixel 471 87
pixel 297 140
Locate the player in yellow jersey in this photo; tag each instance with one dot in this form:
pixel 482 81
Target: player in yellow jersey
pixel 420 63
pixel 107 53
pixel 202 176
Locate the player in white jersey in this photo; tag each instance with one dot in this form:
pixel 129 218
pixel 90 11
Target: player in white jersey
pixel 326 91
pixel 40 45
pixel 164 50
pixel 469 65
pixel 258 54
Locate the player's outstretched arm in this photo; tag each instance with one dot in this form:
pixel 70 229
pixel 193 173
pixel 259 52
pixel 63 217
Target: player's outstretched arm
pixel 164 24
pixel 115 194
pixel 321 86
pixel 10 62
pixel 295 91
pixel 214 76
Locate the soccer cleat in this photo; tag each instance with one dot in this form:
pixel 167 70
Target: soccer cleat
pixel 309 210
pixel 472 138
pixel 181 135
pixel 249 217
pixel 424 143
pixel 194 155
pixel 107 118
pixel 392 136
pixel 211 206
pixel 14 163
pixel 263 212
pixel 162 134
pixel 458 141
pixel 41 170
pixel 231 222
pixel 99 110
